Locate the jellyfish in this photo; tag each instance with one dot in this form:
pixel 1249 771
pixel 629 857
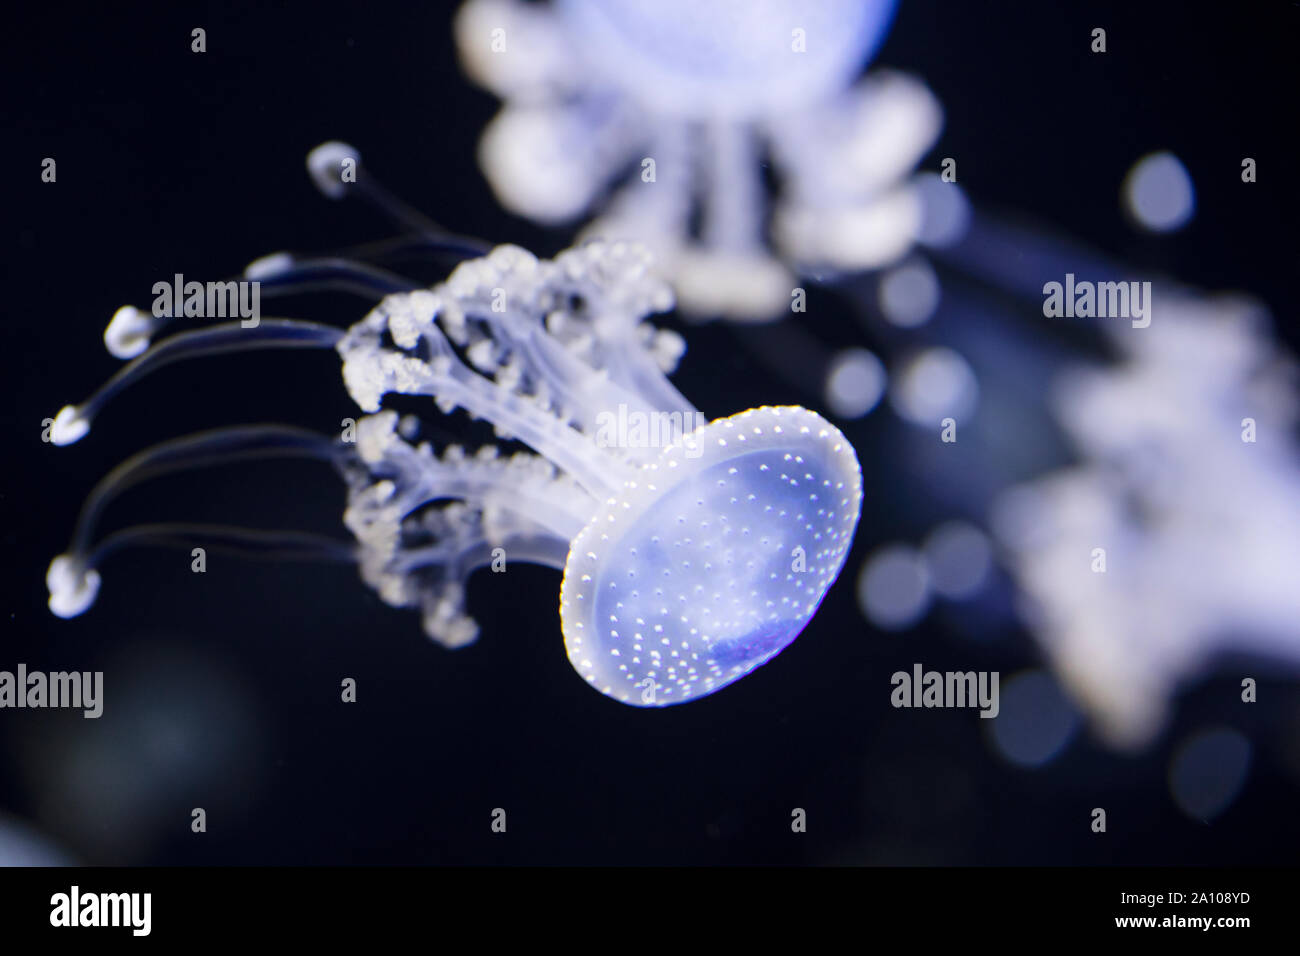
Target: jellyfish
pixel 690 102
pixel 692 552
pixel 1176 537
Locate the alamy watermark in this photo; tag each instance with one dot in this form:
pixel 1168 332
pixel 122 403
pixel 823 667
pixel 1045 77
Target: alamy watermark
pixel 634 428
pixel 76 689
pixel 75 908
pixel 922 688
pixel 211 300
pixel 1101 300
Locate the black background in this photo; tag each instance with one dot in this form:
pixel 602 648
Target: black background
pixel 169 161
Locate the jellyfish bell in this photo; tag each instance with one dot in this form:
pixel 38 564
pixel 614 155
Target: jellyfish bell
pixel 732 58
pixel 706 567
pixel 687 562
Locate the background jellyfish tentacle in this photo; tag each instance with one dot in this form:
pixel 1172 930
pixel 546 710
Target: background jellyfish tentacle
pixel 696 98
pixel 686 564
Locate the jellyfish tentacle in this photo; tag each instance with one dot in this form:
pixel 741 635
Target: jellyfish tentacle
pixel 370 371
pixel 73 421
pixel 522 351
pixel 520 505
pixel 73 578
pixel 443 605
pixel 274 544
pixel 327 164
pixel 523 484
pixel 406 246
pixel 657 212
pixel 439 574
pixel 544 371
pixel 189 452
pixel 617 278
pixel 283 273
pixel 131 330
pixel 733 222
pixel 470 556
pixel 592 357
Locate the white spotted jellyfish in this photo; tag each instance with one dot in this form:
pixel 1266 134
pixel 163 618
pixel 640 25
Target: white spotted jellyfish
pixel 689 102
pixel 687 562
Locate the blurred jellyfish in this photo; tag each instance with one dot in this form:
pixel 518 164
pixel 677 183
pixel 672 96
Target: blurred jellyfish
pixel 692 552
pixel 1178 534
pixel 1208 771
pixel 689 101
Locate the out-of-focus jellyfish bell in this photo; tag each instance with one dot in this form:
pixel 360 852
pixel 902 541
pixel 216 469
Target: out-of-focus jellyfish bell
pixel 734 58
pixel 692 552
pixel 698 97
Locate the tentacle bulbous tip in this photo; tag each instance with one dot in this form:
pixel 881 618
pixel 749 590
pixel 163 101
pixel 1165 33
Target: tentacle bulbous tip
pixel 128 332
pixel 325 164
pixel 72 586
pixel 68 426
pixel 268 266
